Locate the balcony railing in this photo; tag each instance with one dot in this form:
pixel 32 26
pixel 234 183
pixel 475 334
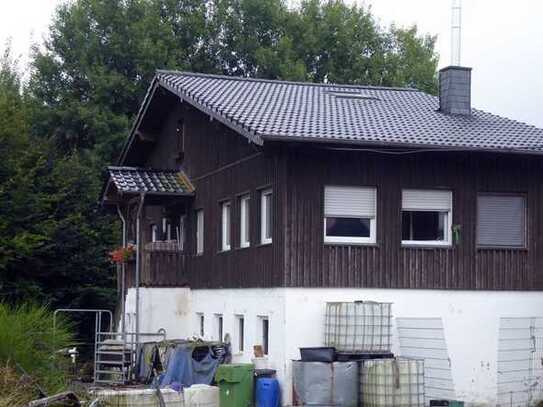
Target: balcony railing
pixel 163 264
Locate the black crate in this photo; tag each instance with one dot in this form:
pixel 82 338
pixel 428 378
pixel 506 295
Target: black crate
pixel 322 354
pixel 348 357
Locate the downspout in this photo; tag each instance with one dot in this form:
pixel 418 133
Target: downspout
pixel 123 271
pixel 138 265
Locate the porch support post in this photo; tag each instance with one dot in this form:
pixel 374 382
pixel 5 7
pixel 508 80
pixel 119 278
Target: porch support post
pixel 123 273
pixel 138 265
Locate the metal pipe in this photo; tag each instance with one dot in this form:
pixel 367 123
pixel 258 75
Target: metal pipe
pixel 123 270
pixel 138 265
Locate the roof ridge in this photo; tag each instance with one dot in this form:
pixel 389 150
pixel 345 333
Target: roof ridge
pixel 280 81
pixel 148 169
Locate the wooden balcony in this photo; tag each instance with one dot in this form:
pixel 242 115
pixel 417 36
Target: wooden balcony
pixel 163 265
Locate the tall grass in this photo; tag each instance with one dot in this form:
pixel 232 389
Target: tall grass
pixel 28 340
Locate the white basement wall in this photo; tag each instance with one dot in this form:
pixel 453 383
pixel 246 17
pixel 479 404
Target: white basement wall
pixel 470 320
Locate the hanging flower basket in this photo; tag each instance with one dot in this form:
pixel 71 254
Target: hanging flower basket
pixel 122 255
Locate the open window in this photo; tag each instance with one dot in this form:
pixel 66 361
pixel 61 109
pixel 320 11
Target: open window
pixel 350 214
pixel 426 217
pixel 501 220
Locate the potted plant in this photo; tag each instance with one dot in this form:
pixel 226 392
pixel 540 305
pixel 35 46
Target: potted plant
pixel 123 254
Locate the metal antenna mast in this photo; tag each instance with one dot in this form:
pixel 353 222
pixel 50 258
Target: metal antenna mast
pixel 456 32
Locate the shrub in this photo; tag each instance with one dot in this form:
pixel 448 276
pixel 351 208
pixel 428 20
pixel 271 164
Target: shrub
pixel 30 342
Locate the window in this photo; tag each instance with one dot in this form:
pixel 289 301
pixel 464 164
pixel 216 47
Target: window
pixel 201 321
pixel 199 231
pixel 350 214
pixel 426 217
pixel 501 220
pixel 241 332
pixel 154 233
pixel 266 212
pixel 225 240
pixel 219 327
pixel 181 232
pixel 244 236
pixel 180 131
pixel 166 229
pixel 264 333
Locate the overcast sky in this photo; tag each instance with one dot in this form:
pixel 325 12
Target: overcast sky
pixel 501 40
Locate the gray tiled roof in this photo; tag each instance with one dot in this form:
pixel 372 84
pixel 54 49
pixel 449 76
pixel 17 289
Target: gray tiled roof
pixel 137 180
pixel 277 110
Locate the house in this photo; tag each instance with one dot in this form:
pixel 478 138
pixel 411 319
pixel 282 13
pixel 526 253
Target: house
pixel 253 202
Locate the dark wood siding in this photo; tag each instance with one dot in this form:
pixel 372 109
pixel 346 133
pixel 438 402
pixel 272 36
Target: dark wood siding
pixel 388 264
pixel 222 165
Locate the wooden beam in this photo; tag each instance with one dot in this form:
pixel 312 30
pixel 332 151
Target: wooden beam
pixel 146 136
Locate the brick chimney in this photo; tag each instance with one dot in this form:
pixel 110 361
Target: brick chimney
pixel 455 90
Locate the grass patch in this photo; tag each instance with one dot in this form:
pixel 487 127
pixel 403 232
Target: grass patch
pixel 29 342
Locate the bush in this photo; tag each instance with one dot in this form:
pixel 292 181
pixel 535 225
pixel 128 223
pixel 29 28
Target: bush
pixel 30 342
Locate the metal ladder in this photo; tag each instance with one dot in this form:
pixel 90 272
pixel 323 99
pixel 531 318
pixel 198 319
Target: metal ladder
pixel 115 355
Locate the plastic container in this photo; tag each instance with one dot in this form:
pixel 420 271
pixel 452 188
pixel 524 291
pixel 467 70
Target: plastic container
pixel 268 393
pixel 138 397
pixel 323 354
pixel 392 382
pixel 325 384
pixel 235 384
pixel 357 327
pixel 446 403
pixel 346 357
pixel 201 395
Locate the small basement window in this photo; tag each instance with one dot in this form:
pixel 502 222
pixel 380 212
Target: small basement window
pixel 266 214
pixel 264 334
pixel 350 214
pixel 225 229
pixel 200 231
pixel 201 323
pixel 219 326
pixel 501 220
pixel 241 332
pixel 426 217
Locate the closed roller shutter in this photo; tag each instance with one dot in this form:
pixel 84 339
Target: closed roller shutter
pixel 426 200
pixel 501 220
pixel 349 202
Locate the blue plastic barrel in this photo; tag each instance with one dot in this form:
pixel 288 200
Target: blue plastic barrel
pixel 268 393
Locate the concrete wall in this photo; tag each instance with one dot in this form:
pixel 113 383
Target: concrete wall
pixel 470 321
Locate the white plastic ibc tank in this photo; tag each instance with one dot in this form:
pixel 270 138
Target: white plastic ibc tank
pixel 138 397
pixel 392 382
pixel 360 326
pixel 201 395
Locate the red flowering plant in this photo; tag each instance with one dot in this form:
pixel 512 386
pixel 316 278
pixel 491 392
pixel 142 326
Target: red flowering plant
pixel 122 254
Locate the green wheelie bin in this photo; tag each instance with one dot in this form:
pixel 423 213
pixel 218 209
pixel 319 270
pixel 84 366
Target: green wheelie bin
pixel 235 384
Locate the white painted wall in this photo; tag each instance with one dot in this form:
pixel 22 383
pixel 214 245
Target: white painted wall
pixel 470 319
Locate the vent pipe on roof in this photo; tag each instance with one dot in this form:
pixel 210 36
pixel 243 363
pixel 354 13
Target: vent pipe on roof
pixel 454 80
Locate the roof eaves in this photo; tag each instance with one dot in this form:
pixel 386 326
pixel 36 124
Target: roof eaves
pixel 234 125
pixel 381 144
pixel 141 112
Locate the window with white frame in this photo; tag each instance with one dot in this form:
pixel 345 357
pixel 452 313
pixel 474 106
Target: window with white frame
pixel 154 233
pixel 501 220
pixel 240 321
pixel 244 224
pixel 199 231
pixel 350 214
pixel 201 323
pixel 225 222
pixel 266 214
pixel 426 217
pixel 219 327
pixel 263 333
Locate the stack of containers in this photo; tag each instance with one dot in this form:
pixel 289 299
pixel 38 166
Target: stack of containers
pixel 362 331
